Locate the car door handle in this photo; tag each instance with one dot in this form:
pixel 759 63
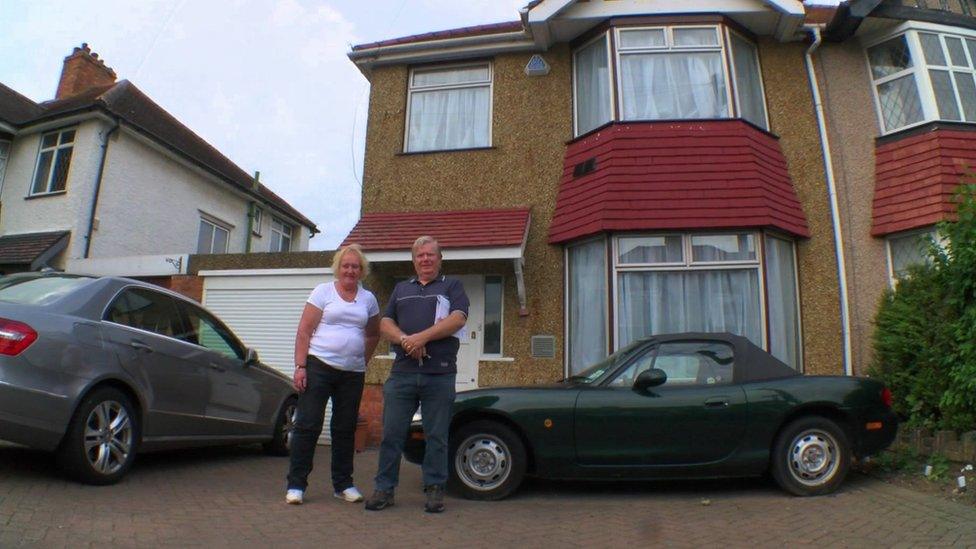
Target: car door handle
pixel 718 402
pixel 140 346
pixel 218 367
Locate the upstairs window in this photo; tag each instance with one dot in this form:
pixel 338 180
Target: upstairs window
pixel 4 156
pixel 449 108
pixel 53 161
pixel 675 72
pixel 923 76
pixel 213 237
pixel 280 235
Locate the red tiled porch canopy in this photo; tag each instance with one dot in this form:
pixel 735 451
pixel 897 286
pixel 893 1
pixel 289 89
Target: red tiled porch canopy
pixel 675 175
pixel 462 235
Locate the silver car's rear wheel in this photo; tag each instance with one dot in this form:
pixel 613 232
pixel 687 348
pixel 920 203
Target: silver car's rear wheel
pixel 488 460
pixel 108 437
pixel 280 443
pixel 102 438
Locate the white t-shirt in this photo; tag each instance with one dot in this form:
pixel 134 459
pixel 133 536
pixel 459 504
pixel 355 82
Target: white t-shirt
pixel 340 338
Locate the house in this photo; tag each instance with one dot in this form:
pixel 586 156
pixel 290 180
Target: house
pixel 601 170
pixel 102 180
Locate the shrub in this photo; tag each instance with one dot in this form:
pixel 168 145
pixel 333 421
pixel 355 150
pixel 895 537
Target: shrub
pixel 924 337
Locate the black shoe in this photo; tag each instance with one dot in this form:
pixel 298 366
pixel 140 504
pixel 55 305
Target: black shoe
pixel 379 500
pixel 435 498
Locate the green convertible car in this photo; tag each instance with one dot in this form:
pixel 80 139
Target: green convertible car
pixel 668 407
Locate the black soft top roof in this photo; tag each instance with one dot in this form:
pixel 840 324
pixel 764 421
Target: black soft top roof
pixel 751 362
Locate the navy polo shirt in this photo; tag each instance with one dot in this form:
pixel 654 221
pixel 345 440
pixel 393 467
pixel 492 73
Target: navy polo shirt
pixel 413 306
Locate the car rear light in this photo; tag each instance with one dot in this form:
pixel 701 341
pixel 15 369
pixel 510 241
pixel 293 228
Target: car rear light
pixel 886 397
pixel 15 337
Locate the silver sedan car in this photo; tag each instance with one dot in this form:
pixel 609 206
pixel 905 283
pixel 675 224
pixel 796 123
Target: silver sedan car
pixel 98 369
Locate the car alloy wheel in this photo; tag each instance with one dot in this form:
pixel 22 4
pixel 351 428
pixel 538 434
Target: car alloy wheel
pixel 108 437
pixel 483 462
pixel 288 429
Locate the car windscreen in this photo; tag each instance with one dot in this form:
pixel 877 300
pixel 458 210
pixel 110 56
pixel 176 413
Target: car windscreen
pixel 601 368
pixel 38 290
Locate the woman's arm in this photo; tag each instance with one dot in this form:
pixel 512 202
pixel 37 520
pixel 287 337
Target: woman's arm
pixel 372 336
pixel 311 317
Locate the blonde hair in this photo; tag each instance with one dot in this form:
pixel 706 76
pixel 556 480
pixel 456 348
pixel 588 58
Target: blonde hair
pixel 354 249
pixel 423 240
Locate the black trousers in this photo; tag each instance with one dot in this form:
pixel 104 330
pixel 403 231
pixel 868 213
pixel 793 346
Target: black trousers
pixel 346 390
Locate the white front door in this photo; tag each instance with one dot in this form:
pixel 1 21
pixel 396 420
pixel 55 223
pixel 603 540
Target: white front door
pixel 470 351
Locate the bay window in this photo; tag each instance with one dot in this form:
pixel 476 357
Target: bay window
pixel 739 282
pixel 449 108
pixel 676 72
pixel 924 75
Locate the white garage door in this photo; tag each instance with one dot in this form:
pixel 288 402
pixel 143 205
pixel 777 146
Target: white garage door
pixel 263 307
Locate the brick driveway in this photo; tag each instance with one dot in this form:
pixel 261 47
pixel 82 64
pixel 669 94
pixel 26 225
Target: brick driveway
pixel 234 497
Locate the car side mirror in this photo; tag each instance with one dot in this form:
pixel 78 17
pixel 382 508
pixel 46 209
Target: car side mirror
pixel 650 378
pixel 251 358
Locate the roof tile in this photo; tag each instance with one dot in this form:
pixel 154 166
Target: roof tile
pixel 389 231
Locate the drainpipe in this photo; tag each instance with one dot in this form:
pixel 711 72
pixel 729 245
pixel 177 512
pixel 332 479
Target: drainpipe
pixel 845 311
pixel 251 208
pixel 98 186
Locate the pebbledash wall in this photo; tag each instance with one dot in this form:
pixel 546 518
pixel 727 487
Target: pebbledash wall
pixel 532 121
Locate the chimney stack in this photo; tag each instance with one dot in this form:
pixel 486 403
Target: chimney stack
pixel 82 71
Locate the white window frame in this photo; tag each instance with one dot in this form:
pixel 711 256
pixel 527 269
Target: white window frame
pixel 57 148
pixel 919 69
pixel 924 231
pixel 5 159
pixel 607 261
pixel 670 46
pixel 257 220
pixel 216 224
pixel 688 265
pixel 411 89
pixel 501 319
pixel 733 69
pixel 612 77
pixel 280 234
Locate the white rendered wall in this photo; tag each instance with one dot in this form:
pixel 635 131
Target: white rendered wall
pixel 66 211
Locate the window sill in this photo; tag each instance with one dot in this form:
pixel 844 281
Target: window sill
pixel 471 149
pixel 924 127
pixel 45 195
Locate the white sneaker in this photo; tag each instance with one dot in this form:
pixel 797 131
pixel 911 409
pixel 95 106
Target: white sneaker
pixel 350 494
pixel 294 496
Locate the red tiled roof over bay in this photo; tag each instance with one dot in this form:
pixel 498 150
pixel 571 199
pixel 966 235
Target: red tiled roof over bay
pixel 463 32
pixel 389 231
pixel 916 176
pixel 675 175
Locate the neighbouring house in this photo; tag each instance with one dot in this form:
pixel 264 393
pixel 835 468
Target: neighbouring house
pixel 102 180
pixel 599 170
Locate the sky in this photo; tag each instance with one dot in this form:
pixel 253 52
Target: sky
pixel 267 82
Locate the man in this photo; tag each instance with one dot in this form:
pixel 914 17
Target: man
pixel 420 321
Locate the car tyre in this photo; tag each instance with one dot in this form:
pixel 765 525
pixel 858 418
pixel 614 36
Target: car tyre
pixel 811 456
pixel 102 438
pixel 280 443
pixel 487 461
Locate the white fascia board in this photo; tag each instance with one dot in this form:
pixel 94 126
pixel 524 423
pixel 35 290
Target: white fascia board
pixel 60 122
pixel 788 28
pixel 788 7
pixel 133 265
pixel 547 9
pixel 4 127
pixel 434 50
pixel 461 254
pixel 603 10
pixel 267 272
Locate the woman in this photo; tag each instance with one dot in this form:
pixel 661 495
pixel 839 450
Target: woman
pixel 336 336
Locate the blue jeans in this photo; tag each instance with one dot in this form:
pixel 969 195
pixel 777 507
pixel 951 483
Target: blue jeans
pixel 346 390
pixel 402 392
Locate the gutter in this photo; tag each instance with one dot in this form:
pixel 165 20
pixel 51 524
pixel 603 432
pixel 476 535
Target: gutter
pixel 845 312
pixel 98 186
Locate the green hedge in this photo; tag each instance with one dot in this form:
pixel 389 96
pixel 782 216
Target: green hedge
pixel 925 329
